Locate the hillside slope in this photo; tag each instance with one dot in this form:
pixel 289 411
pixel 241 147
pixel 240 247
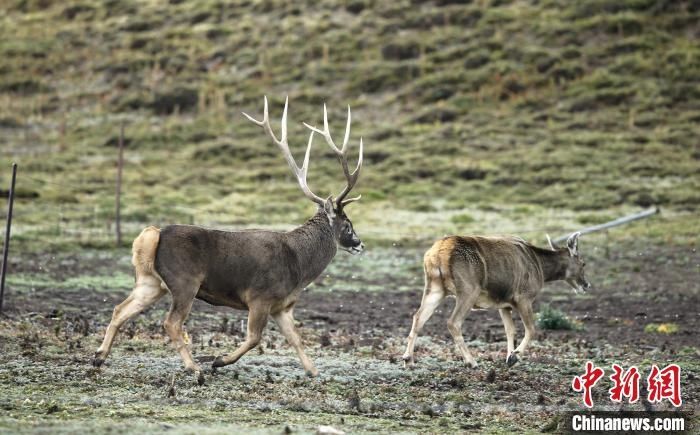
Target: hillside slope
pixel 477 115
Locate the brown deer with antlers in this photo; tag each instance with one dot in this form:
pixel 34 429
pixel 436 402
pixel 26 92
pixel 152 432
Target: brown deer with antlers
pixel 259 271
pixel 500 272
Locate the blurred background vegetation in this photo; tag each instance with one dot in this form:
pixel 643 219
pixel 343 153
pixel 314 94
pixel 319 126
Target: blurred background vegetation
pixel 477 115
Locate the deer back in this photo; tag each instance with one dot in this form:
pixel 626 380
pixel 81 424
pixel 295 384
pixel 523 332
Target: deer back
pixel 501 266
pixel 232 264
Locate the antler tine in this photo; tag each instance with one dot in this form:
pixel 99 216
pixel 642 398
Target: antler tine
pixel 341 154
pixel 299 173
pixel 347 132
pixel 351 177
pixel 549 241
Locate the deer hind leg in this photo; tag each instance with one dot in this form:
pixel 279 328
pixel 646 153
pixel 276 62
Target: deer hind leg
pixel 257 319
pixel 525 310
pixel 509 326
pixel 146 292
pixel 285 321
pixel 433 294
pixel 179 311
pixel 466 298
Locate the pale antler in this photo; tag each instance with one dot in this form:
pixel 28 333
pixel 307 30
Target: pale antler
pixel 551 245
pixel 300 173
pixel 342 155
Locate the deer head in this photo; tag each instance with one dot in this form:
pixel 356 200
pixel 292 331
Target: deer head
pixel 334 208
pixel 575 265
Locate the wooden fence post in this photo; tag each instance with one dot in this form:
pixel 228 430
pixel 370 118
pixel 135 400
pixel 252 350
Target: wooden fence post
pixel 614 223
pixel 120 164
pixel 6 247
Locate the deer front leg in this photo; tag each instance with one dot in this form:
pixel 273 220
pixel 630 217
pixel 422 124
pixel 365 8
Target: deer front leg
pixel 432 296
pixel 257 319
pixel 525 310
pixel 285 321
pixel 509 326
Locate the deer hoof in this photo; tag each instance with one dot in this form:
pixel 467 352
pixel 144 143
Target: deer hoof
pixel 312 373
pixel 512 359
pixel 408 360
pixel 200 377
pixel 218 362
pixel 473 365
pixel 97 361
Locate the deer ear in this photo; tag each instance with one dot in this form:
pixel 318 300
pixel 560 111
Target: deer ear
pixel 328 207
pixel 572 243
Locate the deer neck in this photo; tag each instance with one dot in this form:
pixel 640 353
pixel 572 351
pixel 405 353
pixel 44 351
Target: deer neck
pixel 553 265
pixel 314 244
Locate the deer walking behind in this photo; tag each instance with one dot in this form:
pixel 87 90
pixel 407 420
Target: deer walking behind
pixel 501 272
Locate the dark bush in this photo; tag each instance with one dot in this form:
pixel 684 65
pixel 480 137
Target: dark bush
pixel 511 86
pixel 438 93
pixel 139 26
pixel 566 73
pixel 20 193
pixel 200 17
pixel 472 174
pixel 376 156
pixel 551 318
pixel 23 86
pixel 217 32
pixel 10 122
pixel 476 60
pixel 138 43
pixel 73 11
pixel 183 99
pixel 546 63
pixel 466 17
pixel 114 142
pixel 436 115
pixel 401 50
pixel 355 6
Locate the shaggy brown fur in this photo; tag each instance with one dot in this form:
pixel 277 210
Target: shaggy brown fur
pixel 502 272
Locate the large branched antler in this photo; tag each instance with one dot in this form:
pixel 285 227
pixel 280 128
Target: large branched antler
pixel 300 173
pixel 342 156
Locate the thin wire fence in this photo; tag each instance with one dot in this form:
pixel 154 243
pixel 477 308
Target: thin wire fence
pixel 98 220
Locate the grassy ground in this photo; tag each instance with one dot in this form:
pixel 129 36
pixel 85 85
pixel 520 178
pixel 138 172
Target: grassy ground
pixel 477 115
pixel 57 313
pixel 481 116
